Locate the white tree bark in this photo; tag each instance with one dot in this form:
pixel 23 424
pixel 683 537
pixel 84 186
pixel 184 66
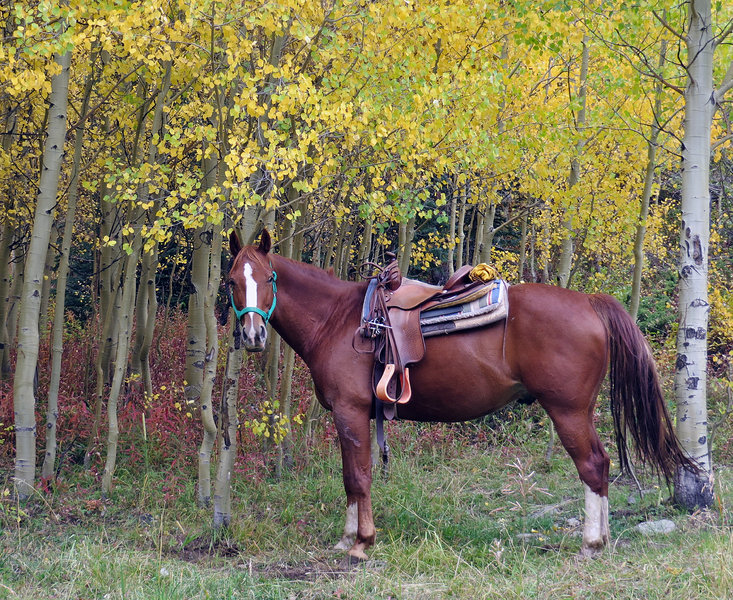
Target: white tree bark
pixel 690 370
pixel 24 399
pixel 59 317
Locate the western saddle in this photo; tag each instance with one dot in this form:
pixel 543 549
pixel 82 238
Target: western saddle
pixel 391 317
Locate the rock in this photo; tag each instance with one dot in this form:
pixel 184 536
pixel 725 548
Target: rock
pixel 661 527
pixel 572 522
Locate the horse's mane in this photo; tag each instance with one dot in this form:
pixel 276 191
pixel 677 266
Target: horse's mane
pixel 325 275
pixel 312 269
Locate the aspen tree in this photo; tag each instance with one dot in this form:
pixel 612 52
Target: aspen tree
pixel 564 266
pixel 9 125
pixel 24 400
pixel 126 305
pixel 57 342
pixel 701 101
pixel 646 194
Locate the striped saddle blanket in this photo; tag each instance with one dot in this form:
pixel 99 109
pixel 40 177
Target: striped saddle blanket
pixel 487 305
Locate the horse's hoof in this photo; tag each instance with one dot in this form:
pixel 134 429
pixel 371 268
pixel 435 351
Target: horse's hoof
pixel 343 546
pixel 356 557
pixel 354 561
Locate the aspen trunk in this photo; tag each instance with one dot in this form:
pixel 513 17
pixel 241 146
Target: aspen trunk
pixel 452 229
pixel 108 322
pixel 522 247
pixel 338 250
pixel 24 400
pixel 228 439
pixel 59 317
pixel 646 194
pixel 565 261
pixel 147 303
pixel 46 281
pixel 462 228
pixel 487 238
pixel 407 235
pixel 6 272
pixel 125 311
pixel 196 359
pixel 478 242
pixel 150 311
pixel 272 369
pixel 294 251
pixel 210 361
pixel 9 127
pixel 365 248
pixel 110 266
pixel 16 289
pixel 690 384
pixel 105 340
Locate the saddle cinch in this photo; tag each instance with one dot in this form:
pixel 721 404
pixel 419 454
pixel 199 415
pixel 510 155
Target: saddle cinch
pixel 399 313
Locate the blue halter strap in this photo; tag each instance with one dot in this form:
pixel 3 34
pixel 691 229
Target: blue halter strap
pixel 248 309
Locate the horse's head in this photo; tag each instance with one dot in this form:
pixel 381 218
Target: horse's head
pixel 252 291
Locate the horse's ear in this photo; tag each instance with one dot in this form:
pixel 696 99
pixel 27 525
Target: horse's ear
pixel 234 244
pixel 265 242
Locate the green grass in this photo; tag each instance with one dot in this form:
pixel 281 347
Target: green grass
pixel 448 521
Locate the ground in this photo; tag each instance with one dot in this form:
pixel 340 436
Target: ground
pixel 460 516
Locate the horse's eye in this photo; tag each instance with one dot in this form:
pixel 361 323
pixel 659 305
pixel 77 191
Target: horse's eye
pixel 270 279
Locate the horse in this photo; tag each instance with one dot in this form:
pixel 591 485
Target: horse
pixel 554 347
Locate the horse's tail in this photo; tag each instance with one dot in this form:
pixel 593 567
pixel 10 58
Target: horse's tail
pixel 637 402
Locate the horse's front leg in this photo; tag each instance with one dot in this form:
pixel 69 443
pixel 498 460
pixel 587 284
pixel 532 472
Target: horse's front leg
pixel 353 431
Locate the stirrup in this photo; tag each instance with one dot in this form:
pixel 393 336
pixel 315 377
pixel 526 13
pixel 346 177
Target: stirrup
pixel 382 392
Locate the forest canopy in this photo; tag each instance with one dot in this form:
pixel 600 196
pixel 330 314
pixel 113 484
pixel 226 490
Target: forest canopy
pixel 529 135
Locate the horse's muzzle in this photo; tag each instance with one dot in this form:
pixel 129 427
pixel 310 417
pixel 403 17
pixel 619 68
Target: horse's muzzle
pixel 254 338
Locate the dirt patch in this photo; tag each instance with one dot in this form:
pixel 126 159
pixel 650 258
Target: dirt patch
pixel 202 548
pixel 313 569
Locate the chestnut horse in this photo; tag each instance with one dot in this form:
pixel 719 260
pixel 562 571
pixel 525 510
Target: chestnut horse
pixel 554 347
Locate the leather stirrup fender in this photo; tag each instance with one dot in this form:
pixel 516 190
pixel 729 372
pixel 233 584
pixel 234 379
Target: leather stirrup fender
pixel 406 389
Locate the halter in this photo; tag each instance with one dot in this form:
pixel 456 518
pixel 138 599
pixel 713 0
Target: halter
pixel 247 309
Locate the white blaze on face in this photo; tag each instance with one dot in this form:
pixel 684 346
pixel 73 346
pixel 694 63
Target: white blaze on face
pixel 250 287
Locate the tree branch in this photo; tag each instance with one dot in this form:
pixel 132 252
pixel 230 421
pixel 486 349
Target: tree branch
pixel 725 86
pixel 668 27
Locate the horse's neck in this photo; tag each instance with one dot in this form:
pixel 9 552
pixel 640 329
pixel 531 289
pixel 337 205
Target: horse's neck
pixel 310 304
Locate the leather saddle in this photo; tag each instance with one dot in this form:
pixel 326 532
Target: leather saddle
pixel 391 317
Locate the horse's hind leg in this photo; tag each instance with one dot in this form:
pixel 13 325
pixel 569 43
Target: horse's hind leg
pixel 580 439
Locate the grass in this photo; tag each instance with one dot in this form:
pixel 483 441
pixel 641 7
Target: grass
pixel 456 519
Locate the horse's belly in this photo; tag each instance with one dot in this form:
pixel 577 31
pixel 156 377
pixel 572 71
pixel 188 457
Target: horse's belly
pixel 462 377
pixel 462 404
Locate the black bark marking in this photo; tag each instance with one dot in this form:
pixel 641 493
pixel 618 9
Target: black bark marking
pixel 695 334
pixel 697 250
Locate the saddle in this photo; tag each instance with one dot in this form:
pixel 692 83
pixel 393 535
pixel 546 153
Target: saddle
pixel 398 314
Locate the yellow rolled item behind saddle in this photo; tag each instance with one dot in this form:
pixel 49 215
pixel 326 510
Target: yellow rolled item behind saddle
pixel 484 272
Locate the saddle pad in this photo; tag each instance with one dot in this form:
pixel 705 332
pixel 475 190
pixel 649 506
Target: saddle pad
pixel 489 307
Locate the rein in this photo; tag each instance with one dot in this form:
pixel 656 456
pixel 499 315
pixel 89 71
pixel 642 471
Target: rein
pixel 248 309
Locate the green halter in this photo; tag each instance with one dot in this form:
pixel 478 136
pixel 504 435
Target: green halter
pixel 247 309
